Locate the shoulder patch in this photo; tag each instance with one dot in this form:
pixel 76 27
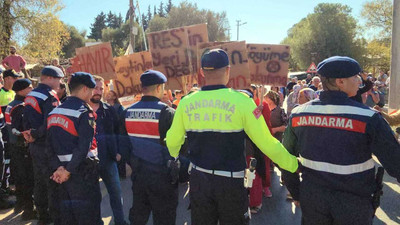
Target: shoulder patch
pixel 258 111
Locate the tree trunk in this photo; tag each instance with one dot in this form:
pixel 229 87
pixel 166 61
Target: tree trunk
pixel 6 24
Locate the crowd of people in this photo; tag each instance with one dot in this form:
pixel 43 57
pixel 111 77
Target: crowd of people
pixel 61 136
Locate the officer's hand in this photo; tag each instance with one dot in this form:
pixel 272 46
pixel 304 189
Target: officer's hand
pixel 118 157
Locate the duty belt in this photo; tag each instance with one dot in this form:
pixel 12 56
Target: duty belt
pixel 237 174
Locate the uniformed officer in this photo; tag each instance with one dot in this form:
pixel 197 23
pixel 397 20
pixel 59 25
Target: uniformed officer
pixel 72 153
pixel 338 170
pixel 216 120
pixel 38 104
pixel 6 96
pixel 107 130
pixel 146 124
pixel 21 162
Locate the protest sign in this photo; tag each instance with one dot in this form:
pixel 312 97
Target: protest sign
pixel 96 59
pixel 128 69
pixel 237 53
pixel 170 54
pixel 197 34
pixel 269 64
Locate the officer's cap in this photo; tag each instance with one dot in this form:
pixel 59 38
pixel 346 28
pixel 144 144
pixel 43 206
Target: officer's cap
pixel 21 84
pixel 152 77
pixel 214 59
pixel 83 78
pixel 52 71
pixel 11 73
pixel 338 67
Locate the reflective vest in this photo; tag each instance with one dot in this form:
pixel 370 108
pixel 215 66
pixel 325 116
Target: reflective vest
pixel 141 121
pixel 215 121
pixel 6 97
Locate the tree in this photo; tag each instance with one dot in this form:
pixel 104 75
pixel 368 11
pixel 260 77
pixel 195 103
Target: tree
pixel 161 10
pixel 329 31
pixel 168 7
pixel 149 15
pixel 77 40
pixel 155 11
pixel 44 43
pixel 145 23
pixel 97 27
pixel 21 17
pixel 378 15
pixel 188 14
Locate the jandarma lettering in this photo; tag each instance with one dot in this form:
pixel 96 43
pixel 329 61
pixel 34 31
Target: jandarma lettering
pixel 58 120
pixel 334 122
pixel 31 101
pixel 216 104
pixel 142 115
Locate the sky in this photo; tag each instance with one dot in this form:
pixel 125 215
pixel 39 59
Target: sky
pixel 267 21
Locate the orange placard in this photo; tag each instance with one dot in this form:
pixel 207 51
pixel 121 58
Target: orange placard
pixel 269 64
pixel 96 59
pixel 128 69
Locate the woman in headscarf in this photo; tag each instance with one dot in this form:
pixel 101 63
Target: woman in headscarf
pixel 292 100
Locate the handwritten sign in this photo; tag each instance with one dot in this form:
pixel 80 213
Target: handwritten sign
pixel 197 34
pixel 269 64
pixel 237 53
pixel 96 59
pixel 169 50
pixel 128 69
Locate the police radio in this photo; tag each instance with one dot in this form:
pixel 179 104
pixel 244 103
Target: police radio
pixel 250 173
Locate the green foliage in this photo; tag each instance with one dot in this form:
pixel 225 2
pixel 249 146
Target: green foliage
pixel 378 16
pixel 161 10
pixel 169 6
pixel 97 27
pixel 77 40
pixel 329 31
pixel 189 14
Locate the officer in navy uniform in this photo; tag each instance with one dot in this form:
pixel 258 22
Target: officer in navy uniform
pixel 38 104
pixel 21 161
pixel 72 152
pixel 146 123
pixel 338 172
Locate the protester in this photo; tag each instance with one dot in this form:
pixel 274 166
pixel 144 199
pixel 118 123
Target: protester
pixel 314 83
pixel 14 61
pixel 306 95
pixel 309 78
pixel 21 161
pixel 146 124
pixel 55 62
pixel 292 100
pixel 290 85
pixel 38 104
pixel 278 115
pixel 338 172
pixel 215 138
pixel 373 96
pixel 106 134
pixel 62 92
pixel 73 158
pixel 178 96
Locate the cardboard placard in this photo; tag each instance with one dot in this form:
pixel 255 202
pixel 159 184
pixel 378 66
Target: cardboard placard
pixel 237 53
pixel 128 69
pixel 96 59
pixel 197 34
pixel 169 50
pixel 269 64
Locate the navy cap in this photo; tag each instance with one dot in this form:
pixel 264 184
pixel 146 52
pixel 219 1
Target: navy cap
pixel 338 67
pixel 214 59
pixel 11 73
pixel 83 78
pixel 21 84
pixel 152 77
pixel 52 71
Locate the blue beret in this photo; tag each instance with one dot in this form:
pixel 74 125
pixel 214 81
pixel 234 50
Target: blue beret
pixel 214 59
pixel 83 78
pixel 21 84
pixel 52 71
pixel 11 73
pixel 152 77
pixel 338 67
